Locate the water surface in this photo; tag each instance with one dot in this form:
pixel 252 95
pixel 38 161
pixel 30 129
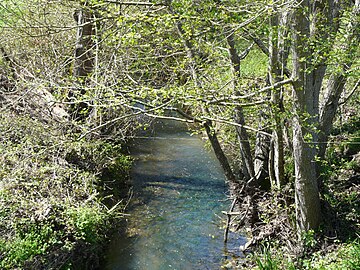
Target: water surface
pixel 179 192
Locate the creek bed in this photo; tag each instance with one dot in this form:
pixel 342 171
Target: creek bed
pixel 179 192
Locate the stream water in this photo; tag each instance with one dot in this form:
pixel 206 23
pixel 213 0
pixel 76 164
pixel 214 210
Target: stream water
pixel 179 192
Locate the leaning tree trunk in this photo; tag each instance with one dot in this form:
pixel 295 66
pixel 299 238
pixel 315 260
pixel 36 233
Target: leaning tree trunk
pixel 219 153
pixel 210 131
pixel 334 89
pixel 243 137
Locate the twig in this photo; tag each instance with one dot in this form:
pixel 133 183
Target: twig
pixel 228 219
pixel 141 111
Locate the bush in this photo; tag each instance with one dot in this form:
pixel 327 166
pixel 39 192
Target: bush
pixel 51 194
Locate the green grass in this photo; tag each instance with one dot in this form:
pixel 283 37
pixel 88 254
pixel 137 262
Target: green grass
pixel 254 65
pixel 346 257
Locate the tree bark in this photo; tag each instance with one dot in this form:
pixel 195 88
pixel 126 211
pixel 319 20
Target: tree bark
pixel 315 24
pixel 308 214
pixel 277 64
pixel 243 137
pixel 84 58
pixel 261 159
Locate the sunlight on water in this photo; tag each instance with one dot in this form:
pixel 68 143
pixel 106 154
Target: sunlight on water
pixel 179 193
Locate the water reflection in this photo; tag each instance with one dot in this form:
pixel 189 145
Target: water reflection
pixel 179 189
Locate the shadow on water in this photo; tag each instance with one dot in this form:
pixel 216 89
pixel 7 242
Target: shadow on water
pixel 179 193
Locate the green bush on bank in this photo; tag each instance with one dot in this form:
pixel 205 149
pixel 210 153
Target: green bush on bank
pixel 51 194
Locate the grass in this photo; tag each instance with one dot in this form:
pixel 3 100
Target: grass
pixel 345 257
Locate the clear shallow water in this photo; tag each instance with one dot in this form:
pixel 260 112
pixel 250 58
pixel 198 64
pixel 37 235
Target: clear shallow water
pixel 179 189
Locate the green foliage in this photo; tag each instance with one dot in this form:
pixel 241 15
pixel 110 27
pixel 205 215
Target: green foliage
pixel 308 239
pixel 10 11
pixel 254 65
pixel 87 222
pixel 346 257
pixel 50 201
pixel 271 257
pixel 26 245
pixel 266 262
pixel 142 56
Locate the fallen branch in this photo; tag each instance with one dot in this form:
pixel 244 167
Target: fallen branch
pixel 228 219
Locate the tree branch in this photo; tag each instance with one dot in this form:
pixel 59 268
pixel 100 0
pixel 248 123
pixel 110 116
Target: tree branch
pixel 351 93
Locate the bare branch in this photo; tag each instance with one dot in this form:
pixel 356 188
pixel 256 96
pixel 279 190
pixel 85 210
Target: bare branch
pixel 267 88
pixel 139 111
pixel 237 125
pixel 351 93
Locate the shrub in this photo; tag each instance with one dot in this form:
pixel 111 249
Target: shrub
pixel 51 193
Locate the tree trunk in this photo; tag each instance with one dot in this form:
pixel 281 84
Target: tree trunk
pixel 276 74
pixel 315 22
pixel 261 160
pixel 84 58
pixel 334 89
pixel 243 137
pixel 219 153
pixel 307 200
pixel 305 96
pixel 245 150
pixel 336 82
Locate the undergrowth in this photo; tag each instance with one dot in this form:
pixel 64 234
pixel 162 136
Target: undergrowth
pixel 335 245
pixel 52 189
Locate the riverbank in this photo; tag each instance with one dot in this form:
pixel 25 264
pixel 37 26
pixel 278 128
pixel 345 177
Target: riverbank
pixel 273 241
pixel 59 199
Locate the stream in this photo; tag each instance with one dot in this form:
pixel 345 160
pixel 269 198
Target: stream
pixel 179 191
